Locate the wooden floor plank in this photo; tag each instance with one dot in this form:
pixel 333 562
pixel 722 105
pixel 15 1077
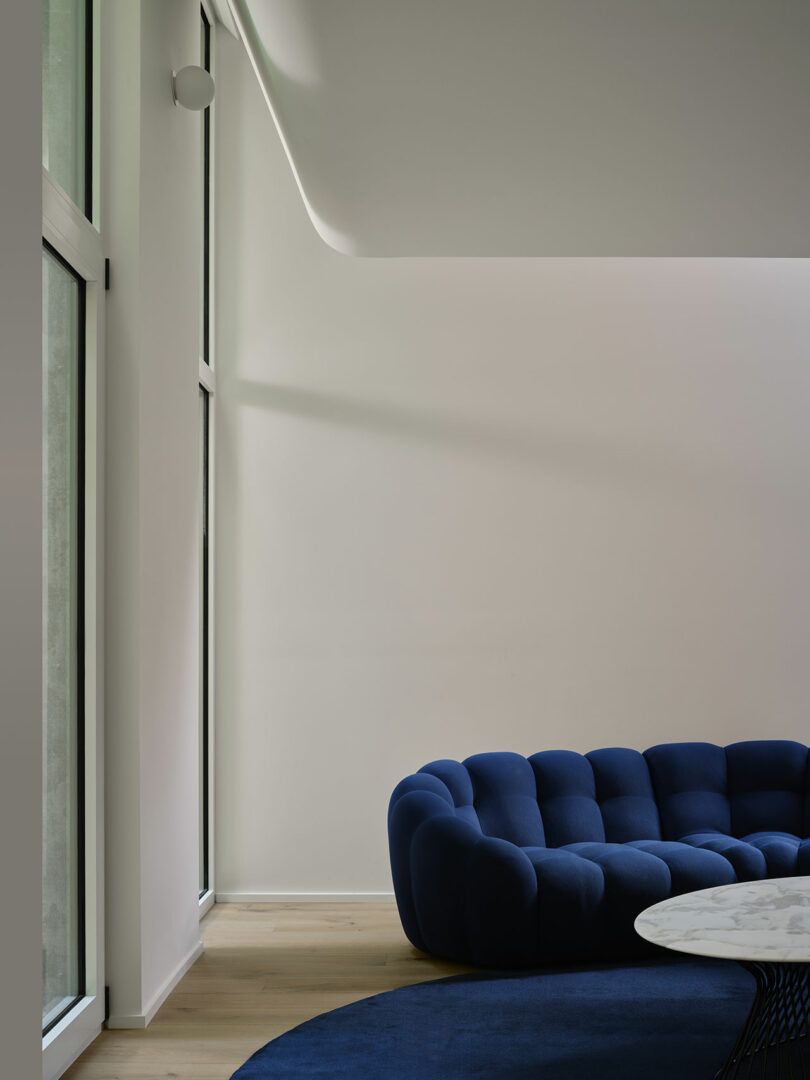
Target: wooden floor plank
pixel 265 969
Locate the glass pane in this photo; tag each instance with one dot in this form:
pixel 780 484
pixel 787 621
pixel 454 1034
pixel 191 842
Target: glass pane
pixel 203 695
pixel 62 964
pixel 64 90
pixel 205 156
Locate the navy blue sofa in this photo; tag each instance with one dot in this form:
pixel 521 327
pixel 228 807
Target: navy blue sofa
pixel 504 861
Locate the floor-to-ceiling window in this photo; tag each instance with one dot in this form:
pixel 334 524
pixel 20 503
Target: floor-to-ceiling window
pixel 205 177
pixel 206 436
pixel 72 299
pixel 63 906
pixel 204 735
pixel 67 98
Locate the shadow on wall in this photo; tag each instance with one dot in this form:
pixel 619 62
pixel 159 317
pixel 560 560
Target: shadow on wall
pixel 597 463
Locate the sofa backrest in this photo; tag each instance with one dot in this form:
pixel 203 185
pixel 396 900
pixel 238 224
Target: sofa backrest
pixel 767 785
pixel 605 796
pixel 691 788
pixel 505 798
pixel 744 788
pixel 559 797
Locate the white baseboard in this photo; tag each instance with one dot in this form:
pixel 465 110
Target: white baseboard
pixel 142 1020
pixel 305 898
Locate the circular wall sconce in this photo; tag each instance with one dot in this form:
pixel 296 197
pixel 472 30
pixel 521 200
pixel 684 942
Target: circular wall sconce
pixel 193 87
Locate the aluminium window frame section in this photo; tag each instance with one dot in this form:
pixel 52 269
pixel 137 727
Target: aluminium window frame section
pixel 71 233
pixel 78 244
pixel 208 382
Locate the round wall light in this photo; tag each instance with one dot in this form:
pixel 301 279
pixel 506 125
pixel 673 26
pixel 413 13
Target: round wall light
pixel 193 87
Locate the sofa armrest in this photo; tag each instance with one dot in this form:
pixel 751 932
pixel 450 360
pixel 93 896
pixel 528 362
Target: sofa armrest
pixel 416 800
pixel 502 904
pixel 474 896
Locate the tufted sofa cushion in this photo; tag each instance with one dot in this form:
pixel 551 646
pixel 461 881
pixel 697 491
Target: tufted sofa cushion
pixel 691 786
pixel 766 787
pixel 506 861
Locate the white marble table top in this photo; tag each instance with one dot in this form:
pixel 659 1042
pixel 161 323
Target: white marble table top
pixel 752 920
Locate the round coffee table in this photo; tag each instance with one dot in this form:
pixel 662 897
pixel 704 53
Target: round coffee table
pixel 765 925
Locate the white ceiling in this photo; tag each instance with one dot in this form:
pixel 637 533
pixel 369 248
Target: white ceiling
pixel 543 127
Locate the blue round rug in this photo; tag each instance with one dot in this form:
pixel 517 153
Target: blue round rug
pixel 666 1019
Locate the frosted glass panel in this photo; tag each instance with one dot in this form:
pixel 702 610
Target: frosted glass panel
pixel 203 623
pixel 205 194
pixel 61 959
pixel 64 70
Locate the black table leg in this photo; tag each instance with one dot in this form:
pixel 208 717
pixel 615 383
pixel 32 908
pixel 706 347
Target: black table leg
pixel 774 1043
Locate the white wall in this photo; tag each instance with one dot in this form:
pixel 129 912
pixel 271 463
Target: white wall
pixel 467 505
pixel 20 540
pixel 152 215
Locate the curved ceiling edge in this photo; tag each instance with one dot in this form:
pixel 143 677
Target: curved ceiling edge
pixel 542 127
pixel 264 69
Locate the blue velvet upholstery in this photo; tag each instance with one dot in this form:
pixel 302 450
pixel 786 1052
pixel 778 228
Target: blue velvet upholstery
pixel 504 861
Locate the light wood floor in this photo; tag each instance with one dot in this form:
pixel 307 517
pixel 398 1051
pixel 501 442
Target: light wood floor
pixel 266 968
